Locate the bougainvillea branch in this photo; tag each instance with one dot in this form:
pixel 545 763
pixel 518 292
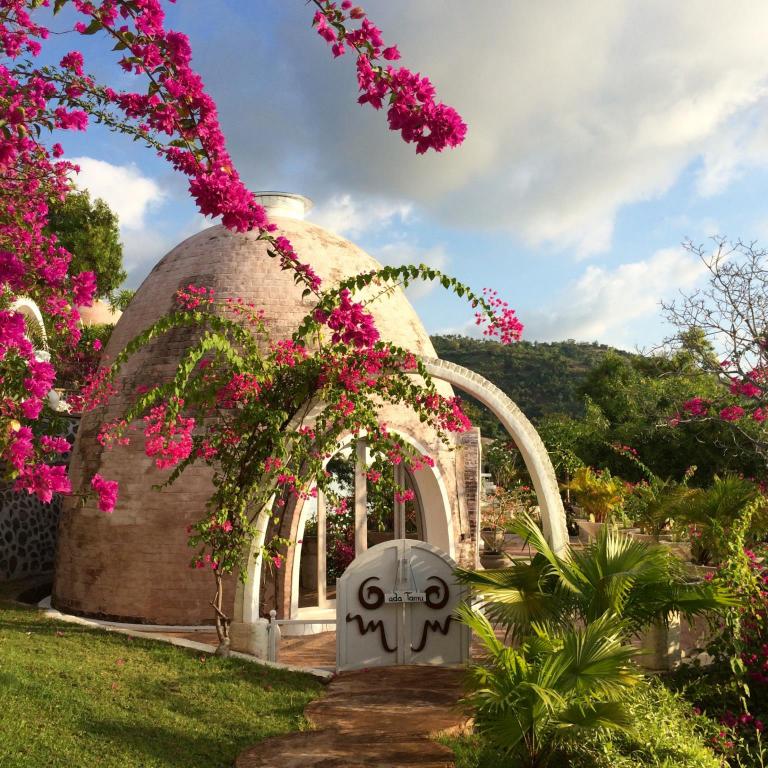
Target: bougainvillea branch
pixel 412 109
pixel 174 115
pixel 268 421
pixel 231 404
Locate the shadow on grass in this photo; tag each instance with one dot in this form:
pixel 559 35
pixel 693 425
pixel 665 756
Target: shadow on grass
pixel 8 681
pixel 209 745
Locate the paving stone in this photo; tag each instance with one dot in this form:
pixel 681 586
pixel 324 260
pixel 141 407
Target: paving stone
pixel 378 718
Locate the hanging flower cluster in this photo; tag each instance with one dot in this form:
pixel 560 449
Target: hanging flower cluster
pixel 503 323
pixel 106 491
pixel 412 109
pixel 350 322
pixel 174 115
pixel 168 435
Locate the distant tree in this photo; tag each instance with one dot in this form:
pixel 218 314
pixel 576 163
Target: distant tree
pixel 724 328
pixel 584 398
pixel 541 377
pixel 573 442
pixel 121 299
pixel 639 398
pixel 505 464
pixel 88 229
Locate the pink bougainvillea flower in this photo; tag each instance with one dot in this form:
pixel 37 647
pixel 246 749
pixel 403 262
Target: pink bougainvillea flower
pixel 107 492
pixel 732 413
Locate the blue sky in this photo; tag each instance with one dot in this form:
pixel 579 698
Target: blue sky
pixel 602 133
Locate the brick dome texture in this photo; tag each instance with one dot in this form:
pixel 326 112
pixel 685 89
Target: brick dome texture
pixel 133 565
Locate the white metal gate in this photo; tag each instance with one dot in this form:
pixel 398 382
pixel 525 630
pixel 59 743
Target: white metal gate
pixel 394 605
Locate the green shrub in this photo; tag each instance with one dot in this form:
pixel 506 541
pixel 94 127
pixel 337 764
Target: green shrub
pixel 665 734
pixel 556 683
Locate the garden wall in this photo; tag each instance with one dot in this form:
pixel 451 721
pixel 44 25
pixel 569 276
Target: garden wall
pixel 28 529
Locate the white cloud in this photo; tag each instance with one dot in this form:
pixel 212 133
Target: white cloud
pixel 743 145
pixel 597 104
pixel 143 248
pixel 353 217
pixel 611 305
pixel 576 108
pixel 128 192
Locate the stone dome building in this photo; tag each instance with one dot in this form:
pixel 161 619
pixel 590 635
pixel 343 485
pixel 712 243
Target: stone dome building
pixel 99 313
pixel 134 564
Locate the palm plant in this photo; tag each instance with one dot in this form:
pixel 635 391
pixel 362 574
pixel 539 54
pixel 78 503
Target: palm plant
pixel 653 505
pixel 558 682
pixel 656 502
pixel 635 582
pixel 567 665
pixel 598 494
pixel 712 512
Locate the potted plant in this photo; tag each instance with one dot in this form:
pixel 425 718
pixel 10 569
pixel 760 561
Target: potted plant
pixel 600 497
pixel 654 506
pixel 498 512
pixel 710 514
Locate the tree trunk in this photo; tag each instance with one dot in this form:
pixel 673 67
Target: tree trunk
pixel 222 620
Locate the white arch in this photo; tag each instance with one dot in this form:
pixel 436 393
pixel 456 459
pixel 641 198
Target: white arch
pixel 519 428
pixel 525 436
pixel 247 594
pixel 32 316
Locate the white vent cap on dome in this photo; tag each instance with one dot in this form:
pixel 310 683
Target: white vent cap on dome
pixel 284 204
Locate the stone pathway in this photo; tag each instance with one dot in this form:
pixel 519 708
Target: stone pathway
pixel 379 718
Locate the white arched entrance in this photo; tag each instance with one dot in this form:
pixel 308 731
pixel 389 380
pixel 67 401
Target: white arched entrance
pixel 436 528
pixel 433 510
pixel 525 437
pixel 430 485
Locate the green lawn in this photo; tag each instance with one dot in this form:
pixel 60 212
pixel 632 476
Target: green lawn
pixel 72 696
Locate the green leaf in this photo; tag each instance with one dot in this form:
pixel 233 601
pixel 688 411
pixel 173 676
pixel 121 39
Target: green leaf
pixel 94 27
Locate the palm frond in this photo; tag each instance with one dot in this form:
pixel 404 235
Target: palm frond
pixel 556 680
pixel 516 596
pixel 480 626
pixel 594 660
pixel 612 566
pixel 598 714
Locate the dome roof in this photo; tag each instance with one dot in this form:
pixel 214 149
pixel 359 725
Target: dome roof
pixel 99 313
pixel 134 564
pixel 237 266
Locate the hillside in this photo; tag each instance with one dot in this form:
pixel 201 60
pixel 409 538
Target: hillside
pixel 542 378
